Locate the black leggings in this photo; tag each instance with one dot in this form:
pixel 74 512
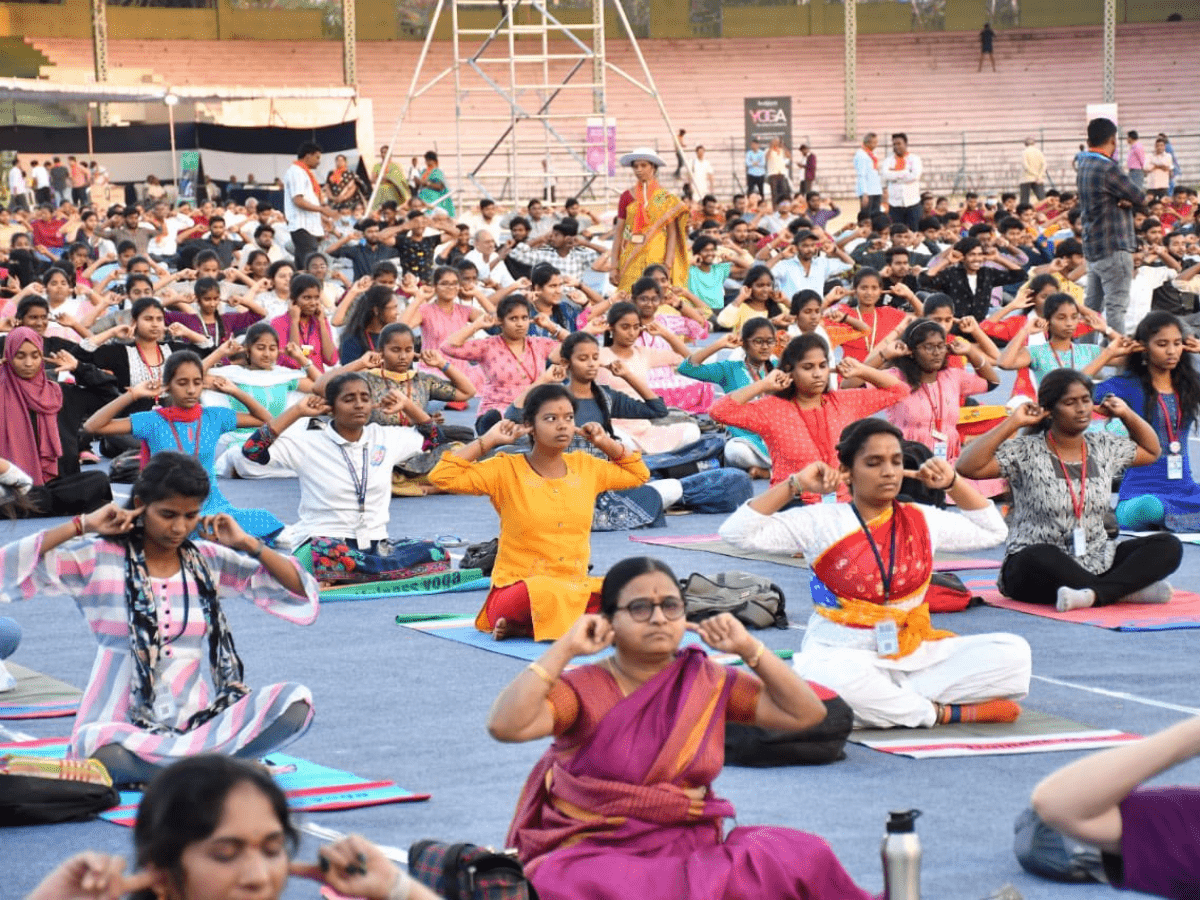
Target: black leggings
pixel 1035 574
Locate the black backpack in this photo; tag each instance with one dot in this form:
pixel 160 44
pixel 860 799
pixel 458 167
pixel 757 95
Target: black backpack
pixel 30 800
pixel 825 742
pixel 915 455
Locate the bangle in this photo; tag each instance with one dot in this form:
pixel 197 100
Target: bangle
pixel 753 663
pixel 541 673
pixel 794 485
pixel 258 549
pixel 78 523
pixel 403 886
pixel 482 448
pixel 953 482
pixel 446 367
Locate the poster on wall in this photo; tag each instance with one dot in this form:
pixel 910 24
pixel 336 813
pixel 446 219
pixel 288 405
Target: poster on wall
pixel 602 144
pixel 189 172
pixel 768 118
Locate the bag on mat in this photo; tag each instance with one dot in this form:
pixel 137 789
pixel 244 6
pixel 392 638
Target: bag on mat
pixel 126 467
pixel 755 601
pixel 1043 851
pixel 39 791
pixel 717 490
pixel 699 456
pixel 468 872
pixel 948 594
pixel 481 556
pixel 912 490
pixel 825 742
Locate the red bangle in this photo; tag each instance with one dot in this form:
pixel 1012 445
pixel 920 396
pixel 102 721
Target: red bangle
pixel 78 522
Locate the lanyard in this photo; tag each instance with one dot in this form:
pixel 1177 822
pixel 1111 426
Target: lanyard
pixel 195 451
pixel 755 375
pixel 216 328
pixel 1058 359
pixel 826 451
pixel 887 574
pixel 360 481
pixel 1173 429
pixel 521 360
pixel 145 362
pixel 1077 502
pixel 937 410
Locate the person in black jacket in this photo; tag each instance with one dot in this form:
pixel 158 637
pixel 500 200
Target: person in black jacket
pixel 960 273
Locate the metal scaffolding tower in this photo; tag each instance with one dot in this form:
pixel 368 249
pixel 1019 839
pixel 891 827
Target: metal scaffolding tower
pixel 524 146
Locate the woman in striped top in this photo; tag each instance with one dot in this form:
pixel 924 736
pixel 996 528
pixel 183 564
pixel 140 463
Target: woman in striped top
pixel 151 597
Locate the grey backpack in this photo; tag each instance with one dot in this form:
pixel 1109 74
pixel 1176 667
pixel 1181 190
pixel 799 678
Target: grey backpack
pixel 755 601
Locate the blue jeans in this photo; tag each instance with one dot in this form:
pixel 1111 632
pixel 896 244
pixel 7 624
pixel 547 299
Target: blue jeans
pixel 10 637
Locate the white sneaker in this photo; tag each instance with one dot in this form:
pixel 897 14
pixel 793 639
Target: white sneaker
pixel 7 682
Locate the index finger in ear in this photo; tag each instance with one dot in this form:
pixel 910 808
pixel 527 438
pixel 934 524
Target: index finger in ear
pixel 310 871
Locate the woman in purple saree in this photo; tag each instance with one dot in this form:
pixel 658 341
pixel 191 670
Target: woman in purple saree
pixel 642 822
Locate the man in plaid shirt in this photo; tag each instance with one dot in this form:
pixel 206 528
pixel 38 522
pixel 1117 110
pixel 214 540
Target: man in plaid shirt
pixel 562 248
pixel 1107 198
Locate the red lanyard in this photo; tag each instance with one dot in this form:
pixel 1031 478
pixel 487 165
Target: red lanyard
pixel 1058 359
pixel 195 451
pixel 1077 502
pixel 754 375
pixel 823 447
pixel 521 360
pixel 146 362
pixel 936 410
pixel 1172 430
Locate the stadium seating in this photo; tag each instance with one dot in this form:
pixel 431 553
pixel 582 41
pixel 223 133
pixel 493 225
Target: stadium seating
pixel 968 126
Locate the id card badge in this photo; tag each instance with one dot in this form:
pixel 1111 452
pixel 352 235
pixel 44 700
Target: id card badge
pixel 940 445
pixel 165 708
pixel 887 638
pixel 1079 541
pixel 1175 466
pixel 829 498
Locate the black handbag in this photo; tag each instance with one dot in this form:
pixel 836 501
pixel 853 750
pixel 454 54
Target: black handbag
pixel 481 556
pixel 825 742
pixel 36 791
pixel 469 872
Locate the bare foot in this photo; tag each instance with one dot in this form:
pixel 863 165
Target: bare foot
pixel 758 472
pixel 504 629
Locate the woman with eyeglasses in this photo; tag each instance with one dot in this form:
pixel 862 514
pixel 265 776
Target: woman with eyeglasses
pixel 649 813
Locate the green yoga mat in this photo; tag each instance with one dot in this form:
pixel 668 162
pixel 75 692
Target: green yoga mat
pixel 452 580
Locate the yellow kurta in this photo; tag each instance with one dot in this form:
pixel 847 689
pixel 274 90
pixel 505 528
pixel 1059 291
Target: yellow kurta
pixel 545 525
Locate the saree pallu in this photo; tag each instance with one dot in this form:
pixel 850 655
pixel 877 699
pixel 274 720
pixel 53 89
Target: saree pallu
pixel 394 186
pixel 644 822
pixel 664 213
pixel 847 586
pixel 433 198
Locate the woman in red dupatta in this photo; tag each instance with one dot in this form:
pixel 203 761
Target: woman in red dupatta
pixel 644 822
pixel 652 226
pixel 870 637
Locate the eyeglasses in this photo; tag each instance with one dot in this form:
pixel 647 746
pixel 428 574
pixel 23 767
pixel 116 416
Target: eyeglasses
pixel 762 342
pixel 641 610
pixel 447 284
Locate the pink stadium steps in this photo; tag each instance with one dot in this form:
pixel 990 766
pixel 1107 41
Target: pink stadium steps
pixel 1046 77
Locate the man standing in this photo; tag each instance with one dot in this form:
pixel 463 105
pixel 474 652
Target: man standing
pixel 79 181
pixel 1135 160
pixel 866 174
pixel 302 205
pixel 810 169
pixel 756 169
pixel 41 183
pixel 986 39
pixel 1033 171
pixel 702 174
pixel 679 161
pixel 902 176
pixel 18 188
pixel 60 179
pixel 1106 201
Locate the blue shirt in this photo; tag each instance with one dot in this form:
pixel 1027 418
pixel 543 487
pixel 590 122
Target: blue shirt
pixel 756 162
pixel 866 175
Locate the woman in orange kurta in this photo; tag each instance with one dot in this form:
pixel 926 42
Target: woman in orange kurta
pixel 545 499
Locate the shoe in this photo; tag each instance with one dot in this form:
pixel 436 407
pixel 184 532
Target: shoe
pixel 456 404
pixel 88 458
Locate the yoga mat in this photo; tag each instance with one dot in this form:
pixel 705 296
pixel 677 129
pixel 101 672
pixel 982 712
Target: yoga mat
pixel 310 787
pixel 1033 732
pixel 462 630
pixel 37 696
pixel 1184 538
pixel 712 543
pixel 1182 612
pixel 452 580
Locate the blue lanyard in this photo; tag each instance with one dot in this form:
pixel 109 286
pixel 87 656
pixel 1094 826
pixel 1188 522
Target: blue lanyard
pixel 360 481
pixel 885 574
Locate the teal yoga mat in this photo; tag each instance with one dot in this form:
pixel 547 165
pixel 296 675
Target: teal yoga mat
pixel 450 581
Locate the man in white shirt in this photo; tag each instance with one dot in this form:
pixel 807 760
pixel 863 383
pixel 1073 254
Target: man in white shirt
pixel 803 269
pixel 901 177
pixel 487 219
pixel 866 174
pixel 302 205
pixel 702 174
pixel 488 262
pixel 1033 171
pixel 18 189
pixel 540 220
pixel 41 182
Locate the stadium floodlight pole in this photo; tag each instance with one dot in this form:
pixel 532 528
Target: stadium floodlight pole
pixel 349 43
pixel 100 51
pixel 850 69
pixel 408 99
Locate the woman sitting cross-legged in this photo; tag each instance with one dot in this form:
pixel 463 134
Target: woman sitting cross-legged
pixel 870 637
pixel 545 498
pixel 152 598
pixel 185 425
pixel 1061 475
pixel 644 822
pixel 345 474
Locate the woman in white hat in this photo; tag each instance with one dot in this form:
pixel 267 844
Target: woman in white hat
pixel 652 225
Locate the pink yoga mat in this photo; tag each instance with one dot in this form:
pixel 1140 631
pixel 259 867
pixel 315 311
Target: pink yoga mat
pixel 1182 612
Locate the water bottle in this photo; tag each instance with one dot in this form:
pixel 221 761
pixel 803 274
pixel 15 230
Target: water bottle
pixel 901 854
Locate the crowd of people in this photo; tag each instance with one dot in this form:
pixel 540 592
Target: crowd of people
pixel 838 358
